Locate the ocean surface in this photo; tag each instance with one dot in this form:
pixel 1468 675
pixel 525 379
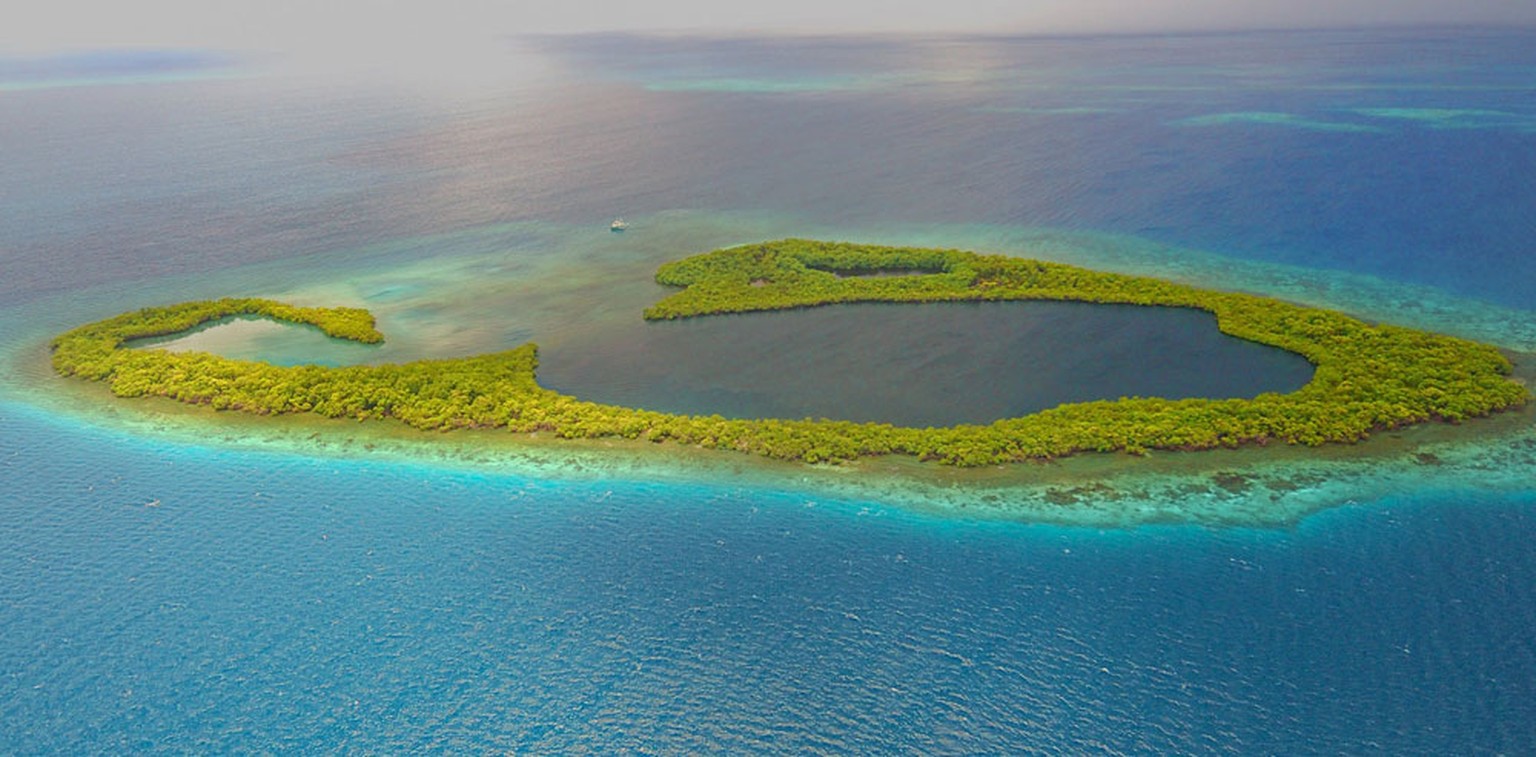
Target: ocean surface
pixel 172 582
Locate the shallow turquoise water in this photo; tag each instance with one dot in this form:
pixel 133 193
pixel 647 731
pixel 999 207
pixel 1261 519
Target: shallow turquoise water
pixel 171 591
pixel 188 598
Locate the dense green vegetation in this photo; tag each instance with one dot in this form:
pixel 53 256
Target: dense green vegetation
pixel 1369 377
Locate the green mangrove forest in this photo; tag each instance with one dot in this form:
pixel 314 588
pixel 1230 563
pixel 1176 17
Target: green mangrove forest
pixel 1369 377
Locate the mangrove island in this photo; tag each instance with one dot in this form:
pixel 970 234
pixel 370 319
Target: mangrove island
pixel 1368 378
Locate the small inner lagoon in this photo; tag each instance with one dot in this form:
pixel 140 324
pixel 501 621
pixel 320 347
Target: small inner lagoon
pixel 936 364
pixel 255 338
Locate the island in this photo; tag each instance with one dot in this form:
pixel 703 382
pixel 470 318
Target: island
pixel 1368 378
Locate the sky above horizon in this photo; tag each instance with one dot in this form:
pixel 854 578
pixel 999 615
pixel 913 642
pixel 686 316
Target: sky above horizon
pixel 383 25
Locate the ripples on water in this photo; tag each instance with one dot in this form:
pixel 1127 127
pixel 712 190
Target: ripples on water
pixel 159 596
pixel 189 599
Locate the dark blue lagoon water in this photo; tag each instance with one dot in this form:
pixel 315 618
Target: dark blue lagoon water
pixel 173 582
pixel 938 364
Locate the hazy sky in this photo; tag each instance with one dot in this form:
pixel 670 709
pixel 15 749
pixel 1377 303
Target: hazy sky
pixel 34 26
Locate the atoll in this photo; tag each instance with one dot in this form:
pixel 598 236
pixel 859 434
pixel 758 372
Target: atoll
pixel 1369 377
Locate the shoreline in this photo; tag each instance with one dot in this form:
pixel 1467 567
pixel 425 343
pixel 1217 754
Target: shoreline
pixel 1478 460
pixel 1256 487
pixel 1367 378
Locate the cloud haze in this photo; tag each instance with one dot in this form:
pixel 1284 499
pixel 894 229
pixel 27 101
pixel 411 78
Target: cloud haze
pixel 381 24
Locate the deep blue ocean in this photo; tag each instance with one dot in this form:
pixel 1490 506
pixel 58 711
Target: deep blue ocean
pixel 170 589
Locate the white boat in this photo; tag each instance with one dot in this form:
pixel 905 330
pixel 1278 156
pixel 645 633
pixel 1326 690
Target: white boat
pixel 618 224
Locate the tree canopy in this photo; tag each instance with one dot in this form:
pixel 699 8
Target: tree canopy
pixel 1368 377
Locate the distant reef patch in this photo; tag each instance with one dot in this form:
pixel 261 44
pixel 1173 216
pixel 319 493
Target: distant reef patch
pixel 1267 118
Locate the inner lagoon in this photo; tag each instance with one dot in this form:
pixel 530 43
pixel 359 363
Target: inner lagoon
pixel 909 365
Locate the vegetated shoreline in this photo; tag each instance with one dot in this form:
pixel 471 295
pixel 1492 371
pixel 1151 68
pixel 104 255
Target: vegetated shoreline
pixel 1250 486
pixel 1368 377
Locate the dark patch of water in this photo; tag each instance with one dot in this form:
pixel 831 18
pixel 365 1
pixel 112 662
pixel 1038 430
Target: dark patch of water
pixel 930 365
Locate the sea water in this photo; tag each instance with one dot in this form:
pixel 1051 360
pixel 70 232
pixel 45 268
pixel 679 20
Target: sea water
pixel 169 590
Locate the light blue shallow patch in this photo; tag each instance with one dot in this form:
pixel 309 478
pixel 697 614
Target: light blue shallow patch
pixel 1454 118
pixel 1268 118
